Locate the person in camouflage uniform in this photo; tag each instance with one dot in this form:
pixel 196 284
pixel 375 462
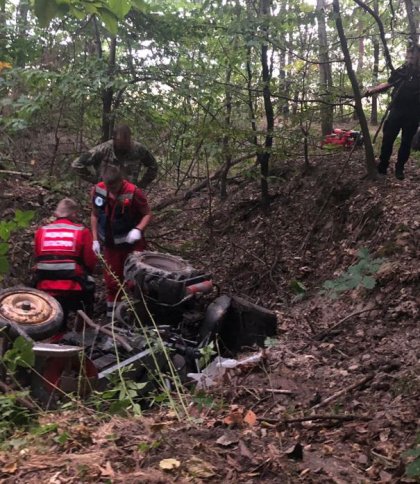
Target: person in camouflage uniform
pixel 120 151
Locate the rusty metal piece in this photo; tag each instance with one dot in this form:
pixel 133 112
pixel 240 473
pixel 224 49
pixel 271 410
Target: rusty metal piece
pixel 25 309
pixel 56 350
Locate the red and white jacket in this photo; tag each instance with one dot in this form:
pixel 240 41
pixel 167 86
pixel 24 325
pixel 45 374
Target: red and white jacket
pixel 64 257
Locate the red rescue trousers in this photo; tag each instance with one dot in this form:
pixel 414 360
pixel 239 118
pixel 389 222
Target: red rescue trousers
pixel 115 258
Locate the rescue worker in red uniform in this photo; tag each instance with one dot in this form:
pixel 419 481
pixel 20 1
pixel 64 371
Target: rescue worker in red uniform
pixel 65 260
pixel 120 214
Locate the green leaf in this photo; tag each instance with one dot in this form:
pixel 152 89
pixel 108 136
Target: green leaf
pixel 4 248
pixel 363 253
pixel 4 231
pixel 119 8
pixel 136 409
pixel 306 8
pixel 91 8
pixel 44 429
pixel 21 354
pixel 24 347
pixel 297 286
pixel 46 10
pixel 368 282
pixel 22 219
pixel 81 14
pixel 413 469
pixel 62 438
pixel 119 407
pixel 110 20
pixel 4 265
pixel 139 5
pixel 412 453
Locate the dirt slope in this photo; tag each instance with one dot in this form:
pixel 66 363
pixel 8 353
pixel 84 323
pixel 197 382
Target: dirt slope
pixel 369 364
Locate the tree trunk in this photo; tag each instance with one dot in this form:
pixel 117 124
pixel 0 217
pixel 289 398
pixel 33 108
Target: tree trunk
pixel 3 40
pixel 369 153
pixel 327 110
pixel 250 100
pixel 382 35
pixel 264 157
pixel 360 58
pixel 108 95
pixel 375 74
pixel 413 16
pixel 227 154
pixel 21 31
pixel 284 84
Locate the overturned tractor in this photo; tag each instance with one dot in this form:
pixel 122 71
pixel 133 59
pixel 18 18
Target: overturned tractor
pixel 166 299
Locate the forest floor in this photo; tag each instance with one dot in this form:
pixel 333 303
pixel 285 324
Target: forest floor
pixel 347 367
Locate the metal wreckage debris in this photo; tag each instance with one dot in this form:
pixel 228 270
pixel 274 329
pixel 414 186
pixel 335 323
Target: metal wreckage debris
pixel 172 312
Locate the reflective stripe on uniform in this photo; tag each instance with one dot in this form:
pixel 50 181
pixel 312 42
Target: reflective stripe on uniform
pixel 60 235
pixel 57 243
pixel 101 191
pixel 63 226
pixel 60 266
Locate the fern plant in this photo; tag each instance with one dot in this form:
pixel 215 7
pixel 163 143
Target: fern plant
pixel 360 274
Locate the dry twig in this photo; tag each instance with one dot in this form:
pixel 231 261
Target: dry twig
pixel 325 333
pixel 344 391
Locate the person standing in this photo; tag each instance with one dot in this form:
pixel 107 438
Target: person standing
pixel 120 215
pixel 120 151
pixel 65 260
pixel 404 111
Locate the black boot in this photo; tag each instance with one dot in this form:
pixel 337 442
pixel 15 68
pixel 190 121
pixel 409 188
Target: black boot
pixel 382 167
pixel 399 171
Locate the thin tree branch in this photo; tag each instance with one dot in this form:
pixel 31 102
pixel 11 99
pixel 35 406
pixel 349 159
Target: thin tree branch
pixel 381 32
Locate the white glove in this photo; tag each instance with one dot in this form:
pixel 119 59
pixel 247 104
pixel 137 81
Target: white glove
pixel 96 247
pixel 133 236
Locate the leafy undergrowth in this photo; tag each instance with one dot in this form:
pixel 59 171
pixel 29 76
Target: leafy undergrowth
pixel 337 397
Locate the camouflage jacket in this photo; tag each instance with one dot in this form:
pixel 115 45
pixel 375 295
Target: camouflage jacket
pixel 91 164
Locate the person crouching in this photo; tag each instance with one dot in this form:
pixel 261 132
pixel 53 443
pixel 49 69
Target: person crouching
pixel 65 260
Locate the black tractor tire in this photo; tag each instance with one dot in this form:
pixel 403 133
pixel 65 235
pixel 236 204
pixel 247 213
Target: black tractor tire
pixel 157 264
pixel 37 313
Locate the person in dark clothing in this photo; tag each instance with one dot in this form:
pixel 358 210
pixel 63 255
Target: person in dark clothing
pixel 121 151
pixel 404 111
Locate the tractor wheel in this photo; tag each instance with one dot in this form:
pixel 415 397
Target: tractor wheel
pixel 37 313
pixel 164 266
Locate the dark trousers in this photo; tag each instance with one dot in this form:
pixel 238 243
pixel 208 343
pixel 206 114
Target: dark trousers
pixel 77 300
pixel 398 121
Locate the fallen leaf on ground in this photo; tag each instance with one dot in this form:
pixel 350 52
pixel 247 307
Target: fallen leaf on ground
pixel 235 418
pixel 244 451
pixel 10 468
pixel 101 436
pixel 88 458
pixel 250 418
pixel 157 426
pixel 295 452
pixel 226 441
pixel 107 471
pixel 55 478
pixel 200 468
pixel 169 464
